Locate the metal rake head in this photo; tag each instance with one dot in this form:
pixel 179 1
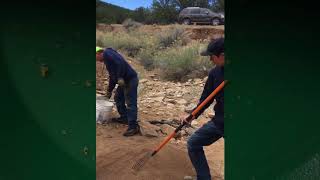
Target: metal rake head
pixel 142 161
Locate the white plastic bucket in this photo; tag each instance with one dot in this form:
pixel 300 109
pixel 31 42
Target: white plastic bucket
pixel 103 110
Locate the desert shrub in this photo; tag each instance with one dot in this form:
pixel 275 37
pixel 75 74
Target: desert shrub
pixel 130 24
pixel 122 41
pixel 173 36
pixel 179 64
pixel 146 58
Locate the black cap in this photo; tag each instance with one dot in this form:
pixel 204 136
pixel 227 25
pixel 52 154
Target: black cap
pixel 215 47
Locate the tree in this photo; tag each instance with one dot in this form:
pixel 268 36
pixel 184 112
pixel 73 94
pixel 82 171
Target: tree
pixel 217 5
pixel 164 11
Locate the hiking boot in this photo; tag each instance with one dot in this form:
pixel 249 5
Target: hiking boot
pixel 120 120
pixel 132 131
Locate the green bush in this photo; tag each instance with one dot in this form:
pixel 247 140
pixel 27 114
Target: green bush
pixel 180 64
pixel 174 36
pixel 146 58
pixel 122 41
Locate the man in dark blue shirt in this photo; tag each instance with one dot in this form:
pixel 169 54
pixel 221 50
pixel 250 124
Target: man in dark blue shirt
pixel 214 129
pixel 121 73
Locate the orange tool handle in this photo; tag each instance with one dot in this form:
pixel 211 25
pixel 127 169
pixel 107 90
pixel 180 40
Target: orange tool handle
pixel 193 114
pixel 209 98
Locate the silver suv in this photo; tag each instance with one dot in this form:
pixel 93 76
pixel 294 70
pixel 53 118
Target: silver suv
pixel 200 15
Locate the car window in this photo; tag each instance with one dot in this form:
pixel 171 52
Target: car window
pixel 195 11
pixel 204 11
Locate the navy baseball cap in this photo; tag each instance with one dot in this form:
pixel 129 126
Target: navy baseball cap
pixel 215 47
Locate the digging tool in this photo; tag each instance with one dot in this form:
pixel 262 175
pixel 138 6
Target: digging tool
pixel 141 162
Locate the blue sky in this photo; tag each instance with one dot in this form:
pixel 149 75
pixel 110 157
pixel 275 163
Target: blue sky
pixel 130 4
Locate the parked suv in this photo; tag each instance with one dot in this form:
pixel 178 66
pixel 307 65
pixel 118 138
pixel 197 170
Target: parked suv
pixel 200 15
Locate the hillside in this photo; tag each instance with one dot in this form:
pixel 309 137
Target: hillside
pixel 110 14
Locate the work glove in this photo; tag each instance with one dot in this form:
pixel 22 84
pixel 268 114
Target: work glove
pixel 121 82
pixel 108 95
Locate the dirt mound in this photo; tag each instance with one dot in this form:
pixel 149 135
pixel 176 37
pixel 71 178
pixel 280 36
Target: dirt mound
pixel 195 32
pixel 116 155
pixel 201 33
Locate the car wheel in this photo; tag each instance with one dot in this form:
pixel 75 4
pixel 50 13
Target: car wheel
pixel 186 21
pixel 215 22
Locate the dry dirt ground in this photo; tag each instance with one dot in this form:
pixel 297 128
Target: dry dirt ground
pixel 115 155
pixel 158 100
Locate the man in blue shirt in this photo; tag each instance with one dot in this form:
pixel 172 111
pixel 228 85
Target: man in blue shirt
pixel 214 129
pixel 121 73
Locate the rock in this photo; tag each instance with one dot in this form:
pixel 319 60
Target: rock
pixel 158 99
pixel 160 113
pixel 179 96
pixel 197 80
pixel 210 114
pixel 181 101
pixel 188 178
pixel 189 80
pixel 194 123
pixel 149 83
pixel 205 79
pixel 152 75
pixel 149 130
pixel 172 101
pixel 143 80
pixel 145 112
pixel 148 106
pixel 167 129
pixel 183 133
pixel 189 131
pixel 151 101
pixel 169 105
pixel 190 107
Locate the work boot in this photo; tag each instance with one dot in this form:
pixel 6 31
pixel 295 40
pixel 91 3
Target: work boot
pixel 120 120
pixel 132 131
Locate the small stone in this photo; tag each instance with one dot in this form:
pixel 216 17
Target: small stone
pixel 210 114
pixel 171 101
pixel 205 79
pixel 188 178
pixel 158 99
pixel 194 123
pixel 145 112
pixel 190 131
pixel 143 80
pixel 149 130
pixel 181 101
pixel 190 108
pixel 167 129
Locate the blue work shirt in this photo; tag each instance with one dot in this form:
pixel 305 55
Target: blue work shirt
pixel 117 67
pixel 215 78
